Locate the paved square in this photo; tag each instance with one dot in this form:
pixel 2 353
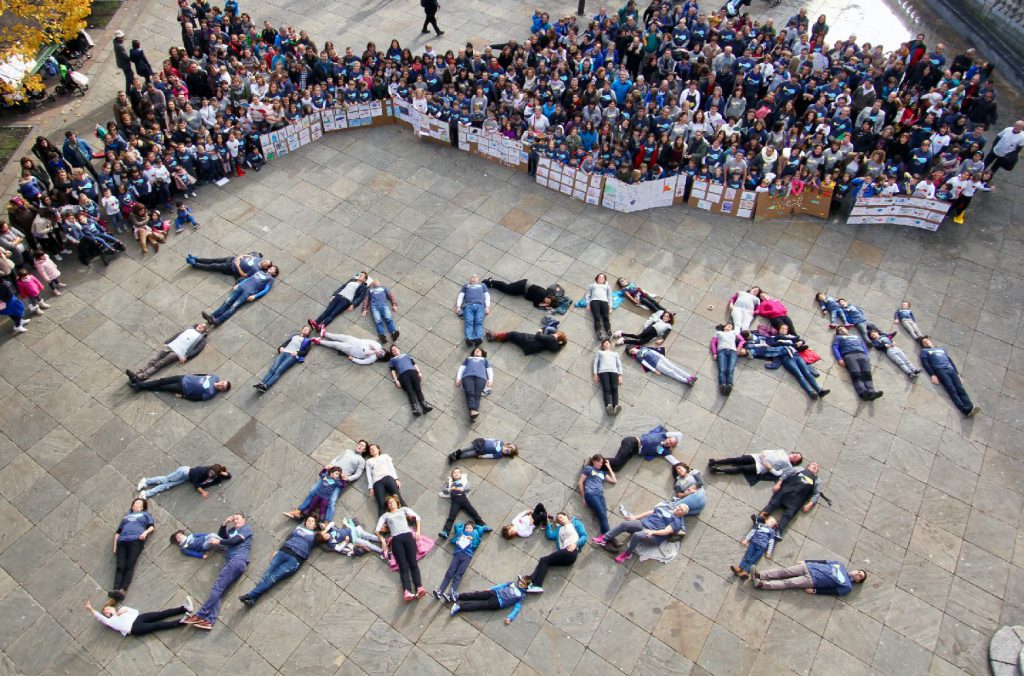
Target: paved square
pixel 928 501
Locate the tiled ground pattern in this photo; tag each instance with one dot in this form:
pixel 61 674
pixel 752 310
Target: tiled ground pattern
pixel 929 502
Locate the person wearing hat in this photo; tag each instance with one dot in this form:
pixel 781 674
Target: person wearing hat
pixel 122 59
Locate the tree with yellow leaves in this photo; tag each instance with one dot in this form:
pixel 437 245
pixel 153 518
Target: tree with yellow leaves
pixel 27 25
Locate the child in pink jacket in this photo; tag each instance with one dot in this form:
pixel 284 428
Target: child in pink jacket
pixel 49 271
pixel 31 288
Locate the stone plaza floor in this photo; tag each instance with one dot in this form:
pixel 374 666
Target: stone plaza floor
pixel 927 501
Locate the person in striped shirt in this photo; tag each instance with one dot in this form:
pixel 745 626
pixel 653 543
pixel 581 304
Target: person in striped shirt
pixel 760 541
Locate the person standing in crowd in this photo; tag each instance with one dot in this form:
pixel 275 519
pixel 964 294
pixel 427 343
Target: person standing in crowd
pixel 430 8
pixel 248 290
pixel 348 296
pixel 607 372
pixel 180 348
pixel 473 304
pixel 814 577
pixel 201 477
pixel 381 302
pixel 78 153
pixel 852 353
pixel 289 353
pixel 123 59
pixel 129 539
pixel 940 368
pixel 194 387
pixel 235 536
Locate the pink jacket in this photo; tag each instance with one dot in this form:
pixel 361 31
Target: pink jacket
pixel 770 308
pixel 47 269
pixel 29 286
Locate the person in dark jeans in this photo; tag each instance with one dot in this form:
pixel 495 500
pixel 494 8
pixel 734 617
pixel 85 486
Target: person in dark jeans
pixel 348 296
pixel 570 535
pixel 430 8
pixel 248 290
pixel 852 353
pixel 940 367
pixel 457 490
pixel 407 376
pixel 289 353
pixel 402 544
pixel 796 490
pixel 129 539
pixel 475 377
pixel 235 536
pixel 236 266
pixel 194 387
pixel 595 473
pixel 658 442
pixel 287 560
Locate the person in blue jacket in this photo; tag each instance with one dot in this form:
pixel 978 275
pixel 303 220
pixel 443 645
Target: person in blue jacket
pixel 852 353
pixel 291 352
pixel 855 315
pixel 940 367
pixel 193 386
pixel 497 597
pixel 196 545
pixel 466 538
pixel 570 535
pixel 249 290
pixel 814 577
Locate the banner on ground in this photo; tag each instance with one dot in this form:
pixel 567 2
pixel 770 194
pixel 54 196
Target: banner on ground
pixel 570 181
pixel 290 138
pixel 811 202
pixel 494 146
pixel 720 199
pixel 916 212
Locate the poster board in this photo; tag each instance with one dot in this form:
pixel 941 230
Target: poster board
pixel 811 202
pixel 569 181
pixel 915 212
pixel 493 146
pixel 721 199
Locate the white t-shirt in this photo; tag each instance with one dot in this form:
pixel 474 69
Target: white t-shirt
pixel 184 341
pixel 523 524
pixel 119 622
pixel 1008 142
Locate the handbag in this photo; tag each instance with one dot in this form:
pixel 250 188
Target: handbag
pixel 809 356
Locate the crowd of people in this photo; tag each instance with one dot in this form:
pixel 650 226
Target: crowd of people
pixel 633 94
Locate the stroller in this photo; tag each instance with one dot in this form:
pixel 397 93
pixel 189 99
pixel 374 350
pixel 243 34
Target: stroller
pixel 71 81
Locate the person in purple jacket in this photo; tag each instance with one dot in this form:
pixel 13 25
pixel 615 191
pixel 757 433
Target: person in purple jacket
pixel 814 577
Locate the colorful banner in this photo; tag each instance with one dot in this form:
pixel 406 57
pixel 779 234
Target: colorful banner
pixel 915 212
pixel 809 201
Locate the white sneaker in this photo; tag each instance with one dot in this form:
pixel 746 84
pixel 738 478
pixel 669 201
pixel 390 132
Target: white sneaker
pixel 38 310
pixel 58 257
pixel 25 320
pixel 625 512
pixel 44 304
pixel 189 605
pixel 141 485
pixel 20 329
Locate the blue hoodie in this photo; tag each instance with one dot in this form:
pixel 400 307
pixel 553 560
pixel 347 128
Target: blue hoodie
pixel 830 577
pixel 466 543
pixel 936 359
pixel 510 594
pixel 843 345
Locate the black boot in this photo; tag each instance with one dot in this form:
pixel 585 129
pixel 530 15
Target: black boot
pixel 382 339
pixel 427 408
pixel 416 410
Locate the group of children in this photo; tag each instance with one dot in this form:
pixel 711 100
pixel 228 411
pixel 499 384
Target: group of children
pixel 843 313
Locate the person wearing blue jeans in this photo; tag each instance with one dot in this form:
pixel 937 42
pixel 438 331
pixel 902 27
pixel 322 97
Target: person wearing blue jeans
pixel 793 363
pixel 248 290
pixel 287 560
pixel 473 304
pixel 688 487
pixel 940 367
pixel 725 346
pixel 346 297
pixel 381 302
pixel 235 536
pixel 595 473
pixel 291 352
pixel 855 315
pixel 351 464
pixel 201 477
pixel 760 541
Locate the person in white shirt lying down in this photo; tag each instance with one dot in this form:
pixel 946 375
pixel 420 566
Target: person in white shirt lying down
pixel 358 350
